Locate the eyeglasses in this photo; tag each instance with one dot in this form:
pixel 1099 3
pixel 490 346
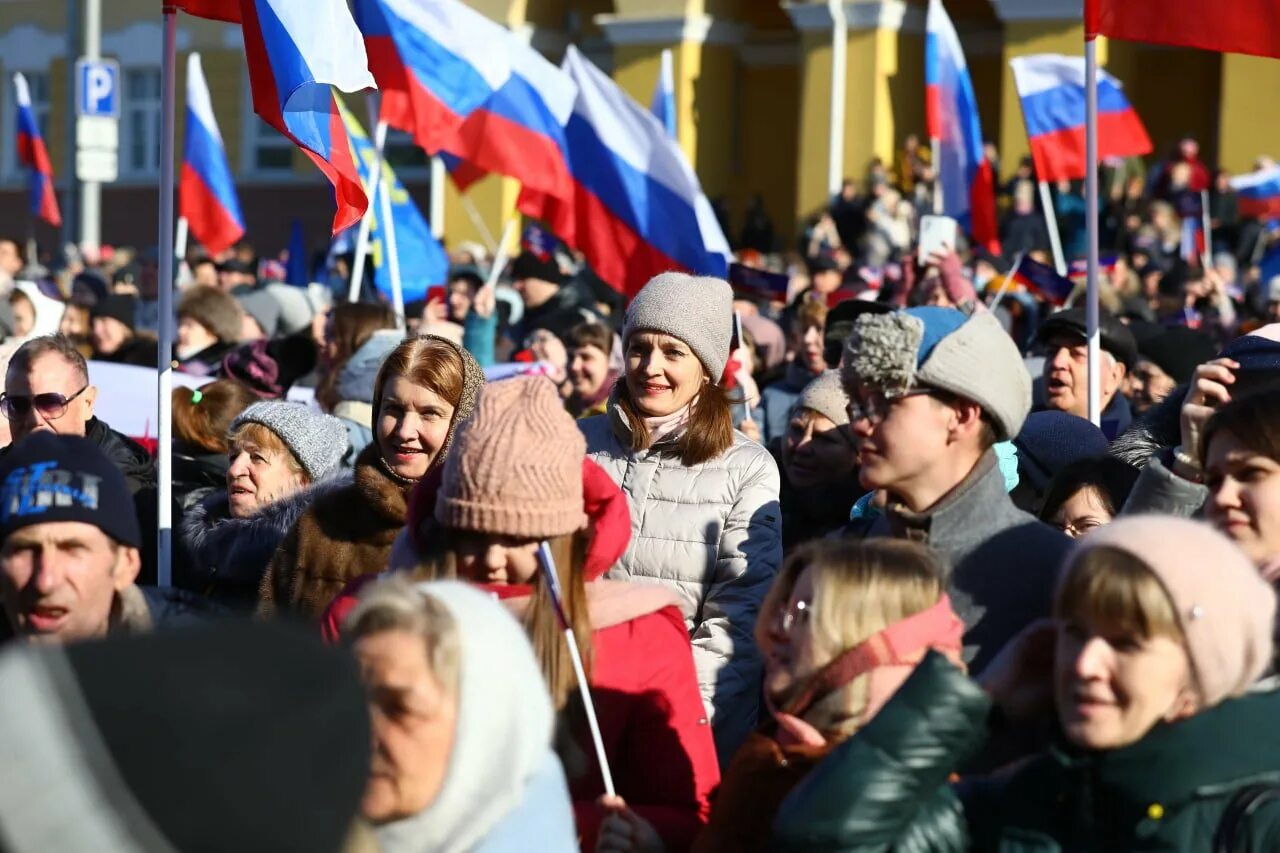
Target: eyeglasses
pixel 51 405
pixel 875 407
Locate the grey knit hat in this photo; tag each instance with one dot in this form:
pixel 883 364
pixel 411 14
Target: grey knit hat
pixel 970 356
pixel 825 395
pixel 696 309
pixel 317 440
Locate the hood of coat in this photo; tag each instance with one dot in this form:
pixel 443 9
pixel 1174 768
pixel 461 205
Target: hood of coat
pixel 502 736
pixel 357 376
pixel 48 311
pixel 237 546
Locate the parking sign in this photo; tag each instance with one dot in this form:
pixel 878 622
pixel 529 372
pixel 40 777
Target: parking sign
pixel 98 87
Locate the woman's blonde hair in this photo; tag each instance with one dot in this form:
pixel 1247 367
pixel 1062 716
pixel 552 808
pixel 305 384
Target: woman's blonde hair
pixel 1117 594
pixel 251 433
pixel 394 604
pixel 859 589
pixel 540 621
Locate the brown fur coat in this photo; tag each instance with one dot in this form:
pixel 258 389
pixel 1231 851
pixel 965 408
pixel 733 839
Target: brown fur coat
pixel 343 534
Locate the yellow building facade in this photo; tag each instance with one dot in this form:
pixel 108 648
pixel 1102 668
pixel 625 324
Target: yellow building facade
pixel 753 91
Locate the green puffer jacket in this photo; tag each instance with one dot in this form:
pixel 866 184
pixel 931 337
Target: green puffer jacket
pixel 886 788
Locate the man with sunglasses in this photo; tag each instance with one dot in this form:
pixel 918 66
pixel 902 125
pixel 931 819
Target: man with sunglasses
pixel 47 389
pixel 931 391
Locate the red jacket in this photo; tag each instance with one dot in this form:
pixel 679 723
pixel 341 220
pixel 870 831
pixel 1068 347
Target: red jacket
pixel 656 735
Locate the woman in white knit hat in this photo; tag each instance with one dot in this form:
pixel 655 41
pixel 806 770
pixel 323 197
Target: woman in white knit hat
pixel 704 498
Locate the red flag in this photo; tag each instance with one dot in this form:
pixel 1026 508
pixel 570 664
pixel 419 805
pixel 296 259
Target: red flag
pixel 1237 26
pixel 218 10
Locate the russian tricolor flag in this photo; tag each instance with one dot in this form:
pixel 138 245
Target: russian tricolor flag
pixel 638 205
pixel 206 190
pixel 1258 193
pixel 1234 26
pixel 467 86
pixel 296 51
pixel 951 116
pixel 33 155
pixel 1043 281
pixel 1052 90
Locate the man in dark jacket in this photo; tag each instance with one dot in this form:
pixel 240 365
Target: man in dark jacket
pixel 71 545
pixel 47 389
pixel 931 391
pixel 549 302
pixel 1066 366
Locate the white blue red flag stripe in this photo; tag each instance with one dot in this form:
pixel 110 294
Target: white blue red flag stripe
pixel 465 85
pixel 1043 281
pixel 296 52
pixel 951 115
pixel 1258 193
pixel 206 190
pixel 637 203
pixel 1052 90
pixel 218 10
pixel 33 154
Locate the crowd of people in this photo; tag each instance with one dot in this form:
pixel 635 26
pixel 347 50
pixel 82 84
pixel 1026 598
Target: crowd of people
pixel 849 569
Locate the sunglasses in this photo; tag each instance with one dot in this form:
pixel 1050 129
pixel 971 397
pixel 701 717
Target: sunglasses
pixel 51 406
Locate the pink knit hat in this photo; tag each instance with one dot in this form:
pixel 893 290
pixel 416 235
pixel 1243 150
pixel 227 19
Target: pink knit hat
pixel 516 465
pixel 1226 610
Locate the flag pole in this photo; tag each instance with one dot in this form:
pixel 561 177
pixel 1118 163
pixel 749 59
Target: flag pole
pixel 366 221
pixel 1206 257
pixel 180 241
pixel 1051 223
pixel 935 146
pixel 390 251
pixel 1004 285
pixel 438 177
pixel 164 365
pixel 1091 225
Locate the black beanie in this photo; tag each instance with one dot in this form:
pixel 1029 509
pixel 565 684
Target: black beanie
pixel 119 306
pixel 1178 351
pixel 49 477
pixel 530 265
pixel 229 736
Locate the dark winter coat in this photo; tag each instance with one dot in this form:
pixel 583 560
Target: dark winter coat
pixel 1003 561
pixel 206 362
pixel 558 315
pixel 196 473
pixel 886 787
pixel 815 512
pixel 139 471
pixel 230 555
pixel 139 350
pixel 344 533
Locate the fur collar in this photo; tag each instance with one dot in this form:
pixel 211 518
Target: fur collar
pixel 219 541
pixel 1157 429
pixel 387 496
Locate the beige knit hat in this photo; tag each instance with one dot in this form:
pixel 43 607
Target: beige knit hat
pixel 826 396
pixel 696 309
pixel 516 465
pixel 1226 610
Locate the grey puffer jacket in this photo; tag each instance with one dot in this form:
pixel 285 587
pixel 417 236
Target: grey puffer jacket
pixel 230 555
pixel 712 533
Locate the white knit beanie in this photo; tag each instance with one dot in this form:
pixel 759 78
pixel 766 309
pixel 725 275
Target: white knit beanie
pixel 696 309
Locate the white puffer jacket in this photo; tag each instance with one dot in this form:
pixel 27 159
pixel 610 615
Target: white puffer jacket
pixel 713 534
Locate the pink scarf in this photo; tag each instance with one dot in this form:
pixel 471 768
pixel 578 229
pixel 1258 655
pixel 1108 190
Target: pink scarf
pixel 668 426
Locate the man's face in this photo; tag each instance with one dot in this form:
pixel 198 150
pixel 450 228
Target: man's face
pixel 58 580
pixel 1066 375
pixel 49 374
pixel 534 291
pixel 901 441
pixel 10 258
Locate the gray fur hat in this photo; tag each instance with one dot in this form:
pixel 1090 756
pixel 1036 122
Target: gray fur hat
pixel 214 309
pixel 970 356
pixel 696 309
pixel 316 440
pixel 826 396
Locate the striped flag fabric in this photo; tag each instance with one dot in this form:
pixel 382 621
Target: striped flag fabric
pixel 1235 26
pixel 965 176
pixel 296 53
pixel 1043 281
pixel 206 190
pixel 1258 193
pixel 33 154
pixel 664 94
pixel 1052 90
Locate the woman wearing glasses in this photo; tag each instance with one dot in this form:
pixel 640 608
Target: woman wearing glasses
pixel 704 498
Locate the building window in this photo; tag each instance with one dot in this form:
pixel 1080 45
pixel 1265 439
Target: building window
pixel 141 130
pixel 38 83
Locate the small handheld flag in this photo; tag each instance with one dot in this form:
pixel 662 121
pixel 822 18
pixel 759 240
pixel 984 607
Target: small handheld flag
pixel 1043 281
pixel 33 155
pixel 206 189
pixel 1258 193
pixel 557 601
pixel 758 284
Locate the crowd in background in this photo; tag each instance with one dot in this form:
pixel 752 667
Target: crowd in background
pixel 844 568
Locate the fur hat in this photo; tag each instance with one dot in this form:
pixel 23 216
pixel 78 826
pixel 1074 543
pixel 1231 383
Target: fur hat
pixel 696 309
pixel 516 467
pixel 214 309
pixel 970 356
pixel 1224 607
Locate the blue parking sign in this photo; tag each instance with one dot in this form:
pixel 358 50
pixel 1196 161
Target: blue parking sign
pixel 98 87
